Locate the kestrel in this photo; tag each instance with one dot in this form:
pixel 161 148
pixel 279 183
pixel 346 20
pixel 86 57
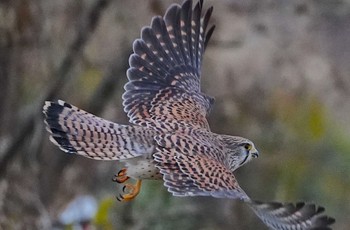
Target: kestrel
pixel 169 136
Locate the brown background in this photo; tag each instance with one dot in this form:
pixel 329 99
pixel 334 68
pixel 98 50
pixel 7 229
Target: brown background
pixel 279 71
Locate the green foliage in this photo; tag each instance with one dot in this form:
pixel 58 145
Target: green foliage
pixel 88 81
pixel 316 120
pixel 305 117
pixel 101 219
pixel 315 163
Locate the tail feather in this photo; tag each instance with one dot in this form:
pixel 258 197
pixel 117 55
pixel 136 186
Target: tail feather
pixel 299 216
pixel 76 131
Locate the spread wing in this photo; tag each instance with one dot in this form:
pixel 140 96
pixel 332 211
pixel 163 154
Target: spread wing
pixel 164 74
pixel 299 216
pixel 191 166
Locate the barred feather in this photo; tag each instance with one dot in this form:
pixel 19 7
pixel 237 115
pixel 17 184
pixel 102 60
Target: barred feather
pixel 300 216
pixel 197 168
pixel 168 57
pixel 78 132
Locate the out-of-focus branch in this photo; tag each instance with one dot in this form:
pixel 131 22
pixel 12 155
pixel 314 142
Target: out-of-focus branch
pixel 61 75
pixel 75 49
pixel 4 72
pixel 110 82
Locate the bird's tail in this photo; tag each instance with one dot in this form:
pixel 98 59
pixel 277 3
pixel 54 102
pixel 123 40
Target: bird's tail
pixel 78 132
pixel 299 216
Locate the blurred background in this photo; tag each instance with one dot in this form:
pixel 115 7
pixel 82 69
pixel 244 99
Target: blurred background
pixel 279 71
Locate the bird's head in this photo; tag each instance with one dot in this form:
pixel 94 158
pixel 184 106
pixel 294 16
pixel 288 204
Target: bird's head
pixel 239 151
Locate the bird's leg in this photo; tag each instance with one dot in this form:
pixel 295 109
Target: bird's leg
pixel 121 176
pixel 130 190
pixel 133 191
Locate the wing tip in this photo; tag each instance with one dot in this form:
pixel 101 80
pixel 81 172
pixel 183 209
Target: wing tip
pixel 306 215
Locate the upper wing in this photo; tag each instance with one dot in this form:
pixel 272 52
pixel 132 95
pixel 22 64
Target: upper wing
pixel 165 67
pixel 190 168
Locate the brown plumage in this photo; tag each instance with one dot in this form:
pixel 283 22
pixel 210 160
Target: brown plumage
pixel 169 137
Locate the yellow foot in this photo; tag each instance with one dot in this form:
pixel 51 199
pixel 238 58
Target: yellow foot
pixel 121 176
pixel 133 191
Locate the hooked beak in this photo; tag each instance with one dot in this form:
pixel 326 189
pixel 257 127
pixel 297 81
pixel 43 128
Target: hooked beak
pixel 255 154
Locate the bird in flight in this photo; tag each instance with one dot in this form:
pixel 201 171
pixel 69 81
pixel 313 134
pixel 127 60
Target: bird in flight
pixel 169 136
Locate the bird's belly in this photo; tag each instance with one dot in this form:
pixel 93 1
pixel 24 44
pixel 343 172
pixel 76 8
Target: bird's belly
pixel 141 168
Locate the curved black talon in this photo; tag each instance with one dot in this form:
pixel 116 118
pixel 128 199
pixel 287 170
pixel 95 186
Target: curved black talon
pixel 124 187
pixel 119 172
pixel 120 198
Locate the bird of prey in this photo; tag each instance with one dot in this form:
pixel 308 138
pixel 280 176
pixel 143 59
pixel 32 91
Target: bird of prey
pixel 169 136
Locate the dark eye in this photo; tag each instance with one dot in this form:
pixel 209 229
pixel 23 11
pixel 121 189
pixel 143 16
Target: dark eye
pixel 247 146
